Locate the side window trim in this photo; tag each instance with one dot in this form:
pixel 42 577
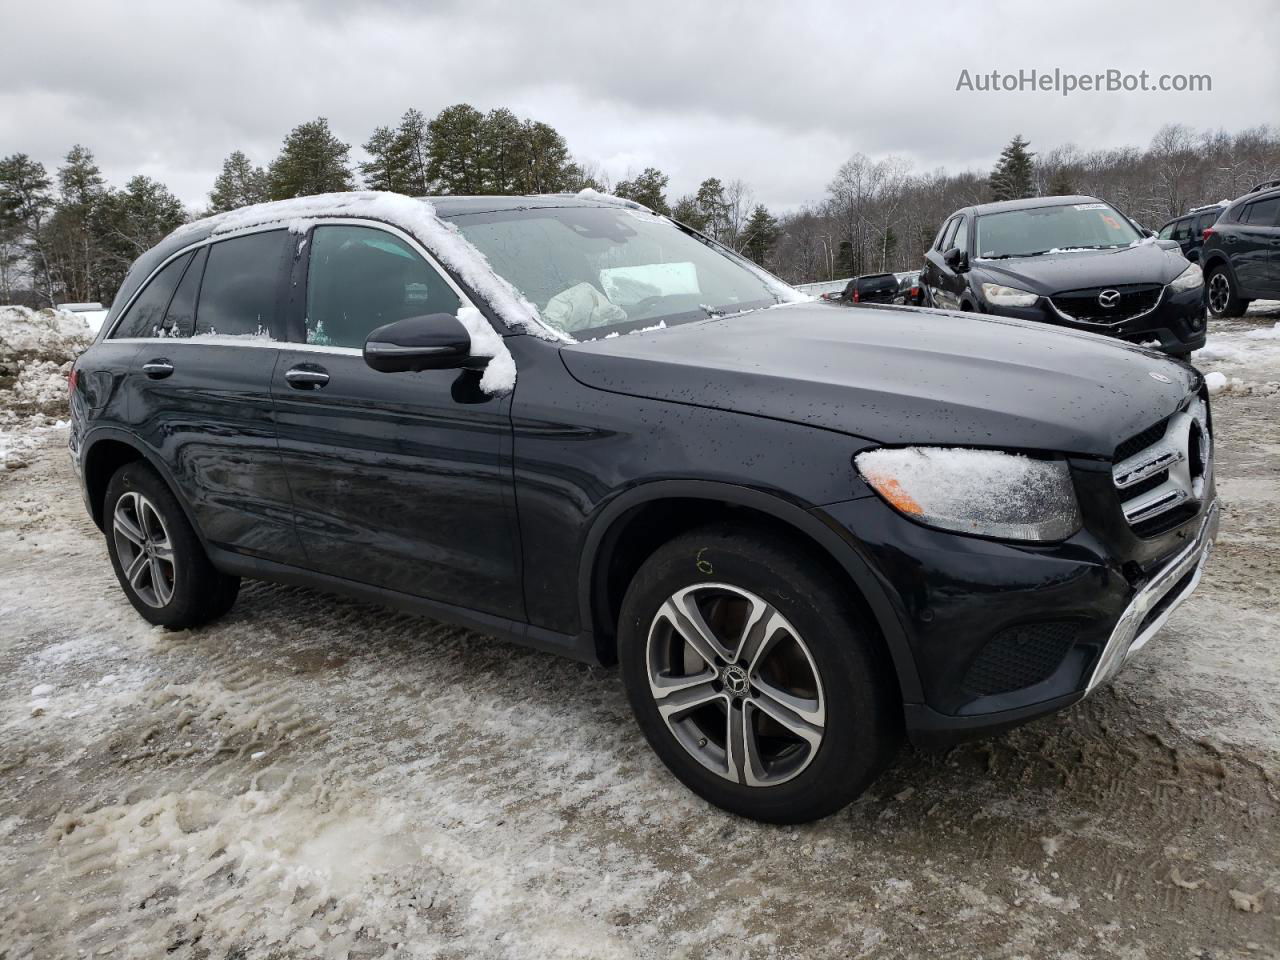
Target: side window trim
pixel 141 291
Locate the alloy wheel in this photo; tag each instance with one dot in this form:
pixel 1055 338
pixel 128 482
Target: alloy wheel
pixel 1219 292
pixel 735 684
pixel 144 549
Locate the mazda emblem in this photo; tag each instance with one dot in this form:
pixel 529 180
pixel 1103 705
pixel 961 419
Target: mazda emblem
pixel 1108 298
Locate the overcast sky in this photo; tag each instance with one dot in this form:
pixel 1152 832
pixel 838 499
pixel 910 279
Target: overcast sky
pixel 777 94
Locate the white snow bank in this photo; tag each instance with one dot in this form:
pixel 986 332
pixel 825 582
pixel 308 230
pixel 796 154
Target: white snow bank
pixel 42 334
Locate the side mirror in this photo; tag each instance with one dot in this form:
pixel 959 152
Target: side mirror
pixel 956 259
pixel 437 341
pixel 1148 233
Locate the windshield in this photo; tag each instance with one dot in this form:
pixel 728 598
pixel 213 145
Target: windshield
pixel 1028 233
pixel 592 271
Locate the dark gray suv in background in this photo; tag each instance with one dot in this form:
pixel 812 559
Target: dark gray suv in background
pixel 569 422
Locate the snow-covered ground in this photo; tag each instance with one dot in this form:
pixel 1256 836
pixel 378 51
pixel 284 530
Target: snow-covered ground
pixel 1242 356
pixel 314 777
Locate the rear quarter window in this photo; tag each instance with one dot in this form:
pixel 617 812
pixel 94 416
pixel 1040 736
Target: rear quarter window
pixel 146 315
pixel 243 287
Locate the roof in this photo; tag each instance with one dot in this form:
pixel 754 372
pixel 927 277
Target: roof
pixel 1028 203
pixel 455 206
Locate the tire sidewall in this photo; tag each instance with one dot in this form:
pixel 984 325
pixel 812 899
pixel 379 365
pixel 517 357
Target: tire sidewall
pixel 856 739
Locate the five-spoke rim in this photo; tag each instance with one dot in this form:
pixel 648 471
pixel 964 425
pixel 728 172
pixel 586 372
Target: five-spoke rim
pixel 144 549
pixel 736 684
pixel 1219 292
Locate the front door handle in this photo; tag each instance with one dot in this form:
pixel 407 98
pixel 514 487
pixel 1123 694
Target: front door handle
pixel 157 369
pixel 307 376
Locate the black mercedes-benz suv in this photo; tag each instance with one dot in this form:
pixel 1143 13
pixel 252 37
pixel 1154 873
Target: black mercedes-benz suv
pixel 1070 261
pixel 1241 252
pixel 572 423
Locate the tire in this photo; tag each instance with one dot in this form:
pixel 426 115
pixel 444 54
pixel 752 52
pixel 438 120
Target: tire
pixel 819 649
pixel 1221 296
pixel 173 583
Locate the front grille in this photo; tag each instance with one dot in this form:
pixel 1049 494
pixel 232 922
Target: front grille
pixel 1020 656
pixel 1159 474
pixel 1140 441
pixel 1134 300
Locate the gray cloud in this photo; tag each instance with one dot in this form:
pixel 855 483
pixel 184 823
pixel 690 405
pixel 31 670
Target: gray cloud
pixel 775 94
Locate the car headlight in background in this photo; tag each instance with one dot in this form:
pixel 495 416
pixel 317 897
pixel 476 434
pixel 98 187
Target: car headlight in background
pixel 1003 296
pixel 983 492
pixel 1188 279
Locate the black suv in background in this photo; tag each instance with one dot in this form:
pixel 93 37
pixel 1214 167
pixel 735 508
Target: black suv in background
pixel 1241 252
pixel 869 288
pixel 1072 262
pixel 572 423
pixel 1188 230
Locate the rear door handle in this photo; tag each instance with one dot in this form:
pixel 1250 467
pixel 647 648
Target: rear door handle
pixel 307 376
pixel 157 369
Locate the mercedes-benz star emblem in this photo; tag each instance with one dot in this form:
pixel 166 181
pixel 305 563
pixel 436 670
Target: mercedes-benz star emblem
pixel 1158 376
pixel 1108 298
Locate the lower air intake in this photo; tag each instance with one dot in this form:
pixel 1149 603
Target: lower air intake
pixel 1020 656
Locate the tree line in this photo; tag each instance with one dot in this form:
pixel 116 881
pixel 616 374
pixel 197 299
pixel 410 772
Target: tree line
pixel 880 215
pixel 70 236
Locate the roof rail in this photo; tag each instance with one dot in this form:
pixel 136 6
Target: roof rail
pixel 1264 185
pixel 1207 206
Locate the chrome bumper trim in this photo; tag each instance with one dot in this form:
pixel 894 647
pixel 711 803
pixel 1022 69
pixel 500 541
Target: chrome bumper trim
pixel 1125 639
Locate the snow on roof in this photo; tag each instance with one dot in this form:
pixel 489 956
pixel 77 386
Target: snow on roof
pixel 416 217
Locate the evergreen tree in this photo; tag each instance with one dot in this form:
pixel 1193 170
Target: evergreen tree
pixel 312 160
pixel 761 234
pixel 712 207
pixel 25 206
pixel 455 150
pixel 132 221
pixel 504 152
pixel 689 213
pixel 239 184
pixel 649 188
pixel 75 249
pixel 548 169
pixel 388 166
pixel 415 146
pixel 1011 179
pixel 1061 185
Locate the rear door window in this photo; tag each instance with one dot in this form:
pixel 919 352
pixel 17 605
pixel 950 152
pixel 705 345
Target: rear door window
pixel 146 315
pixel 360 278
pixel 243 287
pixel 1262 213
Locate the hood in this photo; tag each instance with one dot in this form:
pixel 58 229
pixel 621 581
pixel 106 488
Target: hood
pixel 899 375
pixel 1050 273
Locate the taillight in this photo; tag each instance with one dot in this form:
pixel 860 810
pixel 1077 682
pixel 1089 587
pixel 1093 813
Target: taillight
pixel 1208 232
pixel 857 297
pixel 72 379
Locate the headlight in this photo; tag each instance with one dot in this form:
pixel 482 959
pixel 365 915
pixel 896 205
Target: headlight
pixel 1008 296
pixel 1188 279
pixel 982 492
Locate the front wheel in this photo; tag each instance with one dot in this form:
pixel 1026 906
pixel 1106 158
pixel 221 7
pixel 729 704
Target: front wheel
pixel 1221 295
pixel 755 679
pixel 157 557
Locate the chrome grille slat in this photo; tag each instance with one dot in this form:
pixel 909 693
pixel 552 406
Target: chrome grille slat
pixel 1143 497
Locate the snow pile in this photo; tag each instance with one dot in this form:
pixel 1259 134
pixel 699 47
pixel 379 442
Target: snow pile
pixel 37 348
pixel 1242 357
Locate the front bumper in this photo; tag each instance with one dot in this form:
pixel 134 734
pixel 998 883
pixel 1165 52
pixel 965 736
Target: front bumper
pixel 970 608
pixel 1176 324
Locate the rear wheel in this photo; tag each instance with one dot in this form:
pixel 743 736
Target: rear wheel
pixel 157 556
pixel 755 679
pixel 1221 295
